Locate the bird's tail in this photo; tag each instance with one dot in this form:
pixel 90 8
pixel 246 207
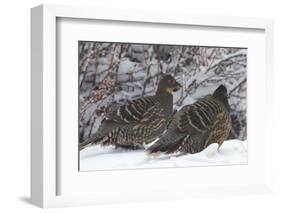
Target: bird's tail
pixel 166 145
pixel 95 139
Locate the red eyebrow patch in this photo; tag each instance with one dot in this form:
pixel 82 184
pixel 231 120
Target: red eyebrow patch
pixel 171 81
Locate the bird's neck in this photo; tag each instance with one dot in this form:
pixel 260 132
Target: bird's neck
pixel 166 100
pixel 163 92
pixel 224 101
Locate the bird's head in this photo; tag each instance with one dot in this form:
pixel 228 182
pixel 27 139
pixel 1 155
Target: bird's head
pixel 221 94
pixel 168 84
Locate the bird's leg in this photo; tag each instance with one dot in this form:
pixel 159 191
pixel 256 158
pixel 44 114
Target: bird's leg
pixel 219 147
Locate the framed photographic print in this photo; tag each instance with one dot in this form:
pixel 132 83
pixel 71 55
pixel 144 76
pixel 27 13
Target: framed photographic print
pixel 150 106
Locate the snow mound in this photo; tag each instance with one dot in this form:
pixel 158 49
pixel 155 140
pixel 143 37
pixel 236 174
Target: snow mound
pixel 232 152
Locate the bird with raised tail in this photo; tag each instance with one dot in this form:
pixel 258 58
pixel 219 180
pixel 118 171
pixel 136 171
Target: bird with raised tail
pixel 138 121
pixel 194 127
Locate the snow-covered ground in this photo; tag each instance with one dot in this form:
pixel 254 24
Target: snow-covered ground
pixel 109 158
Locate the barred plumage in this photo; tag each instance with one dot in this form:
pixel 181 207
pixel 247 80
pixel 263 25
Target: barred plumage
pixel 139 121
pixel 196 126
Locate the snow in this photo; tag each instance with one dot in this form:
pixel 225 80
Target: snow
pixel 232 152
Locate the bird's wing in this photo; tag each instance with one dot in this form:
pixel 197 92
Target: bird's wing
pixel 197 117
pixel 220 128
pixel 153 117
pixel 132 111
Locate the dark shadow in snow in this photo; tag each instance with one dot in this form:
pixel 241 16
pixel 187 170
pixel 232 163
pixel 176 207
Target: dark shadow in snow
pixel 25 199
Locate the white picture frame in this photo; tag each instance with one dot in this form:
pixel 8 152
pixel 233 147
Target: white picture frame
pixel 44 149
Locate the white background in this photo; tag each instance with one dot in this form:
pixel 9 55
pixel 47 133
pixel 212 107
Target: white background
pixel 15 104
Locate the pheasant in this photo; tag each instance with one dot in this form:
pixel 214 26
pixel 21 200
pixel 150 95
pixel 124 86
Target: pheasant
pixel 196 126
pixel 138 121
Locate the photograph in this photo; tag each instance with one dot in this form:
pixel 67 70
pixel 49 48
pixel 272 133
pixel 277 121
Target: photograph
pixel 144 106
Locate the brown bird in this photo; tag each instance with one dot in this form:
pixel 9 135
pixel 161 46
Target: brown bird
pixel 196 126
pixel 139 121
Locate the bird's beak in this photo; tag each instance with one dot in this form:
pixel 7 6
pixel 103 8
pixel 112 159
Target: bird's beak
pixel 176 86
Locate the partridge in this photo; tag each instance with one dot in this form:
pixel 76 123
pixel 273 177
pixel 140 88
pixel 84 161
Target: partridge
pixel 194 127
pixel 138 121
